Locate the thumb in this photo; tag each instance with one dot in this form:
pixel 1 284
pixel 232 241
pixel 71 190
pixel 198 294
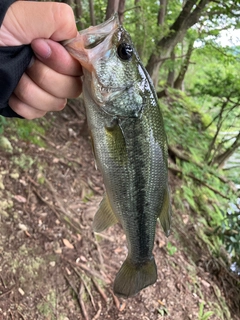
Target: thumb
pixel 26 21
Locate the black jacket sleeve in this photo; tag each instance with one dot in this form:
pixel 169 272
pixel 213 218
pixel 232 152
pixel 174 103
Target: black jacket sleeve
pixel 13 63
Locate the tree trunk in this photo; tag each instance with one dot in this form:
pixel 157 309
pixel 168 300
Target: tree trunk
pixel 70 2
pixel 92 15
pixel 112 7
pixel 171 72
pixel 140 45
pixel 178 84
pixel 153 66
pixel 219 125
pixel 115 6
pixel 189 15
pixel 162 12
pixel 78 14
pixel 222 158
pixel 121 9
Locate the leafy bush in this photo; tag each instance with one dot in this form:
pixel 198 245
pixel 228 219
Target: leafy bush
pixel 204 190
pixel 26 130
pixel 230 231
pixel 30 130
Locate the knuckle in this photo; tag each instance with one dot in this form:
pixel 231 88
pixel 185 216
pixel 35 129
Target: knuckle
pixel 42 78
pixel 24 89
pixel 68 13
pixel 64 13
pixel 39 74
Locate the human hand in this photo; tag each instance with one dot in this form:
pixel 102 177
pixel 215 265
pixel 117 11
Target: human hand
pixel 53 75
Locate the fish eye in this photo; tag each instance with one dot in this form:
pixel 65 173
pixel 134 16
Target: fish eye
pixel 125 51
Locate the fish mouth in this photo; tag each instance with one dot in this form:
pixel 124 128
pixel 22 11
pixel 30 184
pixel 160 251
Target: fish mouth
pixel 106 93
pixel 109 89
pixel 92 42
pixel 94 35
pixel 104 98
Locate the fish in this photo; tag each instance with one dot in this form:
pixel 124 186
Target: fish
pixel 129 144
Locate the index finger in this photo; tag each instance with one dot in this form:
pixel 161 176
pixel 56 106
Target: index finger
pixel 29 20
pixel 55 56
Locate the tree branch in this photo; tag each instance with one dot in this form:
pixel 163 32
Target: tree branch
pixel 184 15
pixel 177 32
pixel 186 158
pixel 176 170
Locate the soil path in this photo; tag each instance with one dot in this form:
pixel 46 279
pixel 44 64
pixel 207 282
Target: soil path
pixel 52 266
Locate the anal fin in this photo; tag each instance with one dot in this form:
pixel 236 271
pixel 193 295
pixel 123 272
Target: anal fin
pixel 166 212
pixel 105 216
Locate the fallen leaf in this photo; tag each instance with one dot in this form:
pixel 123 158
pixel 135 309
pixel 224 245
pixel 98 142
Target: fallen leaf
pixel 161 302
pixel 21 291
pixel 118 250
pixel 23 182
pixel 14 175
pixel 68 244
pixel 20 198
pixel 28 234
pixel 83 259
pixel 161 243
pixel 55 160
pixel 185 218
pixel 122 306
pixel 205 283
pixel 22 226
pixel 68 271
pixel 58 250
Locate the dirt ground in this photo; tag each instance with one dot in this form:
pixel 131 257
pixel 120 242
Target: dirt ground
pixel 52 266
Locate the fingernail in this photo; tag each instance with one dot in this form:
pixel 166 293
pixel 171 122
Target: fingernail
pixel 41 48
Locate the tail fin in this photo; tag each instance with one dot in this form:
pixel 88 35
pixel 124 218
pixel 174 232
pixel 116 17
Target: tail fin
pixel 132 278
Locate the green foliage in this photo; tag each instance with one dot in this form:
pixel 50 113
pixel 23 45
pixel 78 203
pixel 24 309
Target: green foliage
pixel 230 230
pixel 23 161
pixel 29 130
pixel 139 23
pixel 163 311
pixel 184 123
pixel 202 315
pixel 100 10
pixel 201 191
pixel 217 89
pixel 171 249
pixel 3 123
pixel 46 306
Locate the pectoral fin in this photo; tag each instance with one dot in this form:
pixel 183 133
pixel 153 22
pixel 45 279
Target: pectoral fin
pixel 104 217
pixel 166 213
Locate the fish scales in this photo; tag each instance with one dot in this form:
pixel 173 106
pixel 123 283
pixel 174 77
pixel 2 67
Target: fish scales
pixel 129 144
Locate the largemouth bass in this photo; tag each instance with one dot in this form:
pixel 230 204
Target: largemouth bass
pixel 129 144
